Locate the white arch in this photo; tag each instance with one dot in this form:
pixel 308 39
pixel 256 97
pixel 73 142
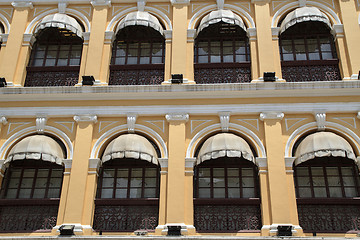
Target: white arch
pixel 335 127
pixel 293 5
pixel 95 152
pixel 27 131
pixel 243 14
pixel 5 23
pixel 157 13
pixel 85 22
pixel 251 136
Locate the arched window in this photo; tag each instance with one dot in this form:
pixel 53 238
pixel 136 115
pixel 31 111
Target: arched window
pixel 30 191
pixel 222 52
pixel 138 54
pixel 56 54
pixel 307 47
pixel 128 186
pixel 327 184
pixel 226 186
pixel 2 31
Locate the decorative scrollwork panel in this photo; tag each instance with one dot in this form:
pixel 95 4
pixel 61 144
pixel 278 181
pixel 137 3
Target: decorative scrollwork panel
pixel 329 218
pixel 136 77
pixel 311 73
pixel 51 78
pixel 226 218
pixel 222 75
pixel 27 218
pixel 125 218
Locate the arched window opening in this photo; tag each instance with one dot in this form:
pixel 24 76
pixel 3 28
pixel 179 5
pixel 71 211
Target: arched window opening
pixel 128 186
pixel 308 51
pixel 30 191
pixel 2 31
pixel 138 56
pixel 55 57
pixel 222 52
pixel 226 187
pixel 327 184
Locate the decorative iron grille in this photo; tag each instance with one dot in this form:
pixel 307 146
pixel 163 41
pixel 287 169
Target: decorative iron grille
pixel 222 73
pixel 46 78
pixel 27 218
pixel 329 218
pixel 306 73
pixel 125 218
pixel 227 218
pixel 142 76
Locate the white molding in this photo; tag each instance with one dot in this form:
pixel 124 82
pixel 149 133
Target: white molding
pixel 94 163
pixel 163 162
pixel 62 7
pixel 131 120
pixel 85 118
pixel 101 3
pixel 67 163
pixel 289 161
pixel 86 36
pixel 261 161
pixel 251 33
pixel 22 4
pixel 190 162
pixel 271 115
pixel 191 34
pixel 224 121
pixel 40 124
pixel 180 2
pixel 177 117
pixel 320 121
pixel 3 120
pixel 4 38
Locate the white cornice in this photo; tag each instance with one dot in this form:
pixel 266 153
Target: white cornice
pixel 191 91
pixel 152 110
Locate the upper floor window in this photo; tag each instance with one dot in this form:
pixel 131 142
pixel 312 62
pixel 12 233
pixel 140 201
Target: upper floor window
pixel 56 54
pixel 222 53
pixel 138 53
pixel 307 47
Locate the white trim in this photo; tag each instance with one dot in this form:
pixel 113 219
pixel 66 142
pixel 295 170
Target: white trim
pixel 5 23
pixel 335 127
pixel 95 152
pixel 157 13
pixel 24 132
pixel 261 161
pixel 291 6
pixel 251 136
pixel 84 20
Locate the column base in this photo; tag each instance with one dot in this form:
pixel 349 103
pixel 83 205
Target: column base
pixel 78 230
pixel 185 229
pixel 272 230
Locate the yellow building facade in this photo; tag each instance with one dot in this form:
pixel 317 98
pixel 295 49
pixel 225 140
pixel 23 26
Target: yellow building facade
pixel 180 117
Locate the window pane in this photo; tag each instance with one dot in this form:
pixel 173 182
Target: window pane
pixel 219 192
pixel 50 62
pixel 204 193
pixel 41 183
pixel 11 193
pixel 248 182
pixel 14 182
pixel 121 193
pixel 288 57
pixel 43 173
pixel 144 60
pixel 219 182
pixel 248 192
pixel 203 59
pixel 132 60
pixel 120 61
pixel 106 193
pixel 204 172
pixel 320 192
pixel 233 182
pixel 317 171
pixel 38 62
pixel 228 58
pixel 300 56
pixel 314 56
pixel 346 171
pixel 327 55
pixel 302 171
pixel 62 62
pixel 325 44
pixel 27 182
pixel 108 173
pixel 204 182
pixel 74 62
pixel 304 192
pixel 156 60
pixel 136 172
pixel 351 192
pixel 150 193
pixel 218 172
pixel 24 193
pixel 335 192
pixel 334 181
pixel 121 182
pixel 312 45
pixel 286 49
pixel 318 181
pixel 348 181
pixel 215 59
pixel 53 193
pixel 39 54
pixel 108 182
pixel 136 182
pixel 29 173
pixel 303 181
pixel 247 172
pixel 39 193
pixel 150 182
pixel 135 193
pixel 51 54
pixel 234 193
pixel 332 171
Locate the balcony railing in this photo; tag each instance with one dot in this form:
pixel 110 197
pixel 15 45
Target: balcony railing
pixel 28 218
pixel 227 218
pixel 52 76
pixel 329 218
pixel 110 217
pixel 152 74
pixel 222 73
pixel 306 71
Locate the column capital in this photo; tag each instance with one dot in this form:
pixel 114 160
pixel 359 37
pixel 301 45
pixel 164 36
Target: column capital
pixel 275 33
pixel 101 3
pixel 85 118
pixel 180 2
pixel 271 115
pixel 3 120
pixel 338 30
pixel 251 34
pixel 22 5
pixel 177 117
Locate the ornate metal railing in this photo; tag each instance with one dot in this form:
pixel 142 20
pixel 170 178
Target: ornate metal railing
pixel 329 218
pixel 136 74
pixel 28 218
pixel 125 218
pixel 222 73
pixel 227 218
pixel 51 76
pixel 305 71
